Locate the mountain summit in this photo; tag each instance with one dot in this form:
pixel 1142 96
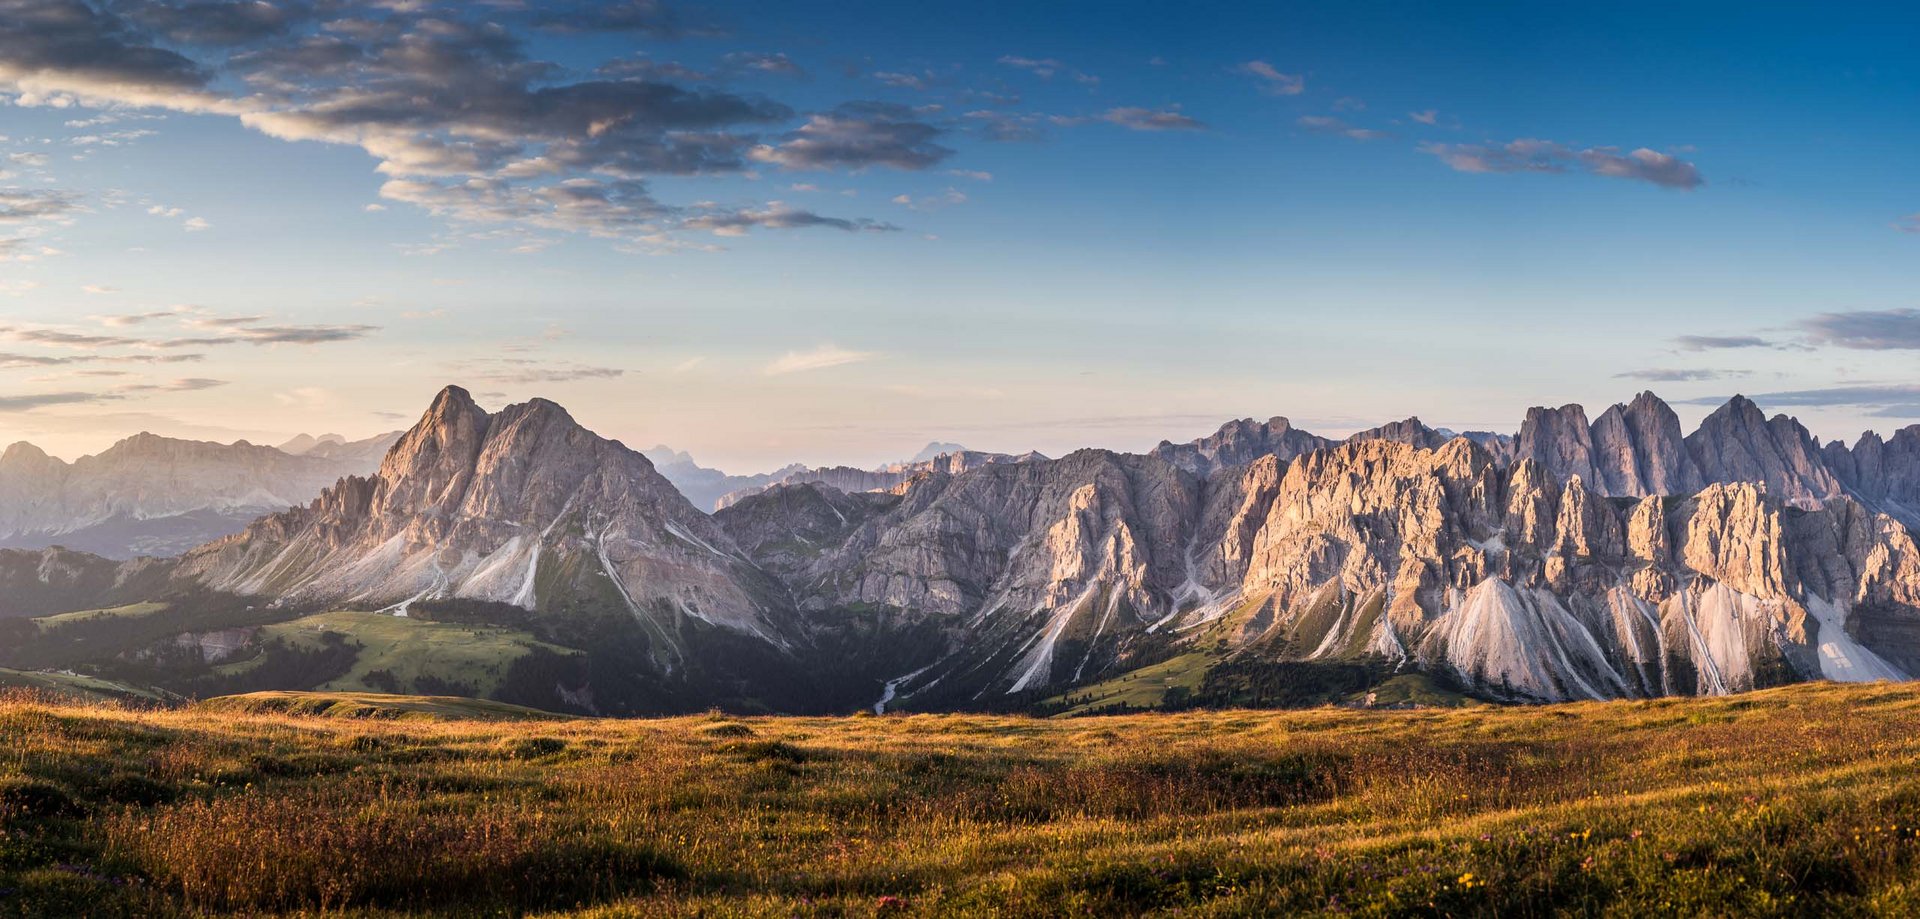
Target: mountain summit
pixel 522 507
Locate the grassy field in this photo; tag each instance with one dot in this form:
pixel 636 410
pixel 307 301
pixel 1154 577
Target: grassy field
pixel 133 611
pixel 398 652
pixel 1797 801
pixel 86 688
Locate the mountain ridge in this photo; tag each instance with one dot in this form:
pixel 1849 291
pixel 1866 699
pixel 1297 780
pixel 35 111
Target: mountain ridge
pixel 154 495
pixel 1601 558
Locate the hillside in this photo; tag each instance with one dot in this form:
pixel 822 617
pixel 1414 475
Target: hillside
pixel 1793 801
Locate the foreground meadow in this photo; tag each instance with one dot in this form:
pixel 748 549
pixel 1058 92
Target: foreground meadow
pixel 1793 801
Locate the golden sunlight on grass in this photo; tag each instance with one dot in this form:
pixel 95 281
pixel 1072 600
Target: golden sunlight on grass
pixel 1791 801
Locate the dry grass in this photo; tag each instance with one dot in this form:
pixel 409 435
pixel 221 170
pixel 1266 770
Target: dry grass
pixel 1789 802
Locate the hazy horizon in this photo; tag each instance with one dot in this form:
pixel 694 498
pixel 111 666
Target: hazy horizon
pixel 774 235
pixel 1690 414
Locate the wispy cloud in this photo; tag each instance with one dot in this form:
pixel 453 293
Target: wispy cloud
pixel 1047 68
pixel 1866 330
pixel 1690 375
pixel 857 136
pixel 778 216
pixel 1327 124
pixel 1143 119
pixel 1719 342
pixel 947 198
pixel 29 401
pixel 529 371
pixel 1887 401
pixel 19 206
pixel 131 319
pixel 1532 155
pixel 229 330
pixel 819 358
pixel 1271 81
pixel 10 361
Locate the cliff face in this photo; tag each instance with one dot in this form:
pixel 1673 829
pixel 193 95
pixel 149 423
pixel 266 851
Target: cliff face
pixel 1631 450
pixel 1738 443
pixel 1509 579
pixel 1882 472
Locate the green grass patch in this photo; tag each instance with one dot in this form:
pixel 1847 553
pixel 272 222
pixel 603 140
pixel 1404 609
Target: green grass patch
pixel 1169 682
pixel 130 611
pixel 361 705
pixel 397 655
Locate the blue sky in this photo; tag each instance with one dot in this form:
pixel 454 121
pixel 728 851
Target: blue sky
pixel 831 232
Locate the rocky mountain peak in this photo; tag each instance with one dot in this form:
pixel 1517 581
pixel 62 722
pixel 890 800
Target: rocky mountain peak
pixel 1738 443
pixel 301 444
pixel 1559 439
pixel 523 506
pixel 436 455
pixel 935 450
pixel 1240 442
pixel 23 454
pixel 1410 430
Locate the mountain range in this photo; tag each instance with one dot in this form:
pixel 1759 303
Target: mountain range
pixel 152 495
pixel 712 489
pixel 517 555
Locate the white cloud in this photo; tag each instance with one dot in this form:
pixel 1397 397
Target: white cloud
pixel 1533 155
pixel 1271 80
pixel 819 358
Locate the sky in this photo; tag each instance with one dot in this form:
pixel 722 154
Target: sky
pixel 830 233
